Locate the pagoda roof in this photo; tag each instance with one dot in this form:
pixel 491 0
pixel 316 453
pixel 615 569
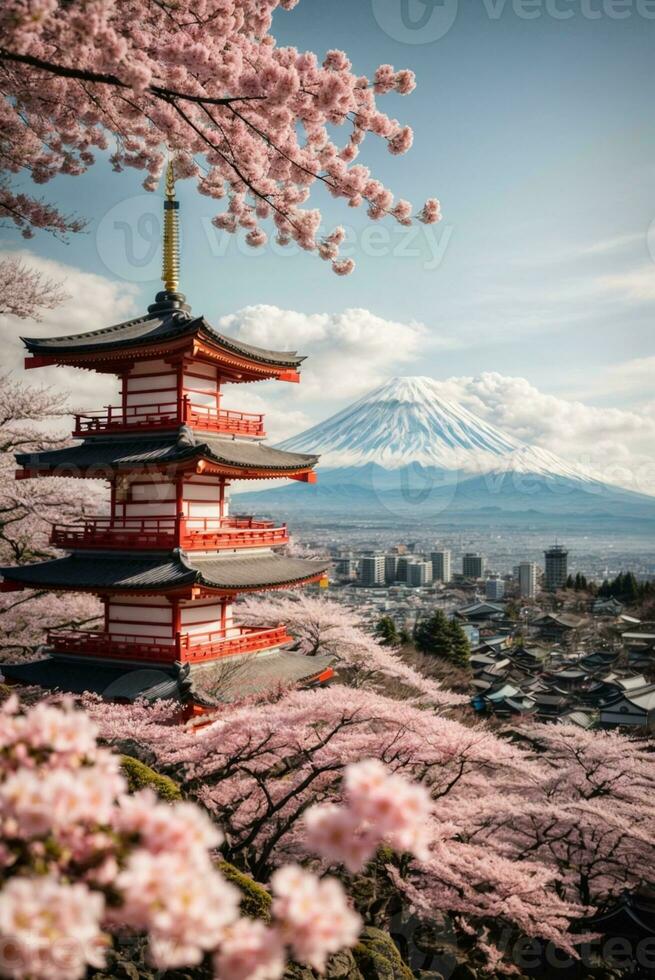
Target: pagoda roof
pixel 181 446
pixel 155 329
pixel 147 572
pixel 74 677
pixel 252 675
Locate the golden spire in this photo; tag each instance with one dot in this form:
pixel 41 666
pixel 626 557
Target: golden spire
pixel 171 253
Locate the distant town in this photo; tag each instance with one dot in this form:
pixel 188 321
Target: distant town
pixel 545 639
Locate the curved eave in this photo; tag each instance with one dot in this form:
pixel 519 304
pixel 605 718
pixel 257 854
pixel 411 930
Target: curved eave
pixel 107 351
pixel 232 367
pixel 202 466
pixel 177 573
pixel 182 451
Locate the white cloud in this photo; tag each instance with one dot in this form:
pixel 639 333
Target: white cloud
pixel 351 352
pixel 347 352
pixel 93 302
pixel 615 443
pixel 633 378
pixel 632 286
pixel 615 244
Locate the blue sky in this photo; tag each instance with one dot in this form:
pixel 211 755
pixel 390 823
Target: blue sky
pixel 535 130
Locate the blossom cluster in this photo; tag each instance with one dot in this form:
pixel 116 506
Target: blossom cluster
pixel 379 807
pixel 82 860
pixel 208 80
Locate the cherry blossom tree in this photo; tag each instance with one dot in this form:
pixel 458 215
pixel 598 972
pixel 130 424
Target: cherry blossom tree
pixel 525 836
pixel 28 509
pixel 252 122
pixel 25 292
pixel 323 627
pixel 588 813
pixel 82 860
pixel 276 771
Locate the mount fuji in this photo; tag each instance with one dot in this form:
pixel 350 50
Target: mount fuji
pixel 405 451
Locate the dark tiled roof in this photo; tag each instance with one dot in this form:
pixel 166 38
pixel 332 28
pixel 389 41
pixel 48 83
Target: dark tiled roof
pixel 76 677
pixel 174 447
pixel 153 328
pixel 103 570
pixel 232 571
pixel 255 674
pixel 250 675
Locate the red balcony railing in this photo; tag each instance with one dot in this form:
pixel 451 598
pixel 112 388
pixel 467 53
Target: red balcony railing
pixel 190 533
pixel 186 647
pixel 168 415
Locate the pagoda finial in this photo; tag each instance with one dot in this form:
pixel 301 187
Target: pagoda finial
pixel 171 252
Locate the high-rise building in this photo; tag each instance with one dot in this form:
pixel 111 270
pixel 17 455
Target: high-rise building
pixel 419 572
pixel 441 566
pixel 527 579
pixel 345 567
pixel 371 570
pixel 472 565
pixel 494 588
pixel 401 569
pixel 390 568
pixel 556 566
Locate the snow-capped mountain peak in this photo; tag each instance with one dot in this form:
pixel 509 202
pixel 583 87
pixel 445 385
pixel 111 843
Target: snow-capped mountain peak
pixel 407 421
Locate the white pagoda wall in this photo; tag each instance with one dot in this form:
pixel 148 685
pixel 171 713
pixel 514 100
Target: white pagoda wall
pixel 156 496
pixel 200 616
pixel 141 617
pixel 201 498
pixel 153 618
pixel 150 383
pixel 200 383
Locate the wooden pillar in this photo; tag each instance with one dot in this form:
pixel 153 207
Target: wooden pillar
pixel 179 507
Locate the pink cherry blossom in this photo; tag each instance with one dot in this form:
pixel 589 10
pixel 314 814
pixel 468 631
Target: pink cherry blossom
pixel 401 141
pixel 431 212
pixel 384 79
pixel 50 930
pixel 250 950
pixel 343 267
pixel 313 915
pixel 405 81
pixel 182 906
pixel 340 836
pixel 243 116
pixel 25 292
pixel 180 827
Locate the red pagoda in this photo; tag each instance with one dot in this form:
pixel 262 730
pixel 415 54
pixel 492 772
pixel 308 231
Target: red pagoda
pixel 168 560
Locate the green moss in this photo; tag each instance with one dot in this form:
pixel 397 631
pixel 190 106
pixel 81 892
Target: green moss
pixel 377 957
pixel 256 901
pixel 139 776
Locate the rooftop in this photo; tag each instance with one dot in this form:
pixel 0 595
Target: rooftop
pixel 147 572
pixel 179 447
pixel 152 329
